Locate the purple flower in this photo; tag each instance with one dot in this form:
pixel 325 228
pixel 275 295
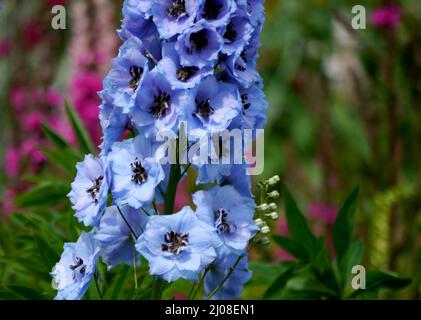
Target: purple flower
pixel 179 76
pixel 90 190
pixel 254 10
pixel 387 16
pixel 199 46
pixel 253 115
pixel 174 16
pixel 242 67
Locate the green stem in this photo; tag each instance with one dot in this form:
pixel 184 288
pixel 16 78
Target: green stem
pixel 157 289
pixel 200 283
pixel 127 223
pixel 225 278
pixel 172 188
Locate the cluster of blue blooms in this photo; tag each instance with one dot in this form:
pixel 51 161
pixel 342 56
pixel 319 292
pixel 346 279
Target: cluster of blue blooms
pixel 181 60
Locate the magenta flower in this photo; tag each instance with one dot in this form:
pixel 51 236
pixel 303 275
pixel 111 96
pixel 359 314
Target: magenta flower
pixel 388 16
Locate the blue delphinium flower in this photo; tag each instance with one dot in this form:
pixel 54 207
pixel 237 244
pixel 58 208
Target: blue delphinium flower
pixel 231 215
pixel 177 245
pixel 217 12
pixel 127 74
pixel 200 45
pixel 242 67
pixel 158 106
pixel 117 232
pixel 76 268
pixel 174 16
pixel 213 105
pixel 236 34
pixel 179 76
pixel 135 172
pixel 90 188
pixel 233 287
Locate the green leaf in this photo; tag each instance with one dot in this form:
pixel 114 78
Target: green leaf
pixel 63 159
pixel 298 227
pixel 292 247
pixel 43 195
pixel 54 137
pixel 25 292
pixel 118 286
pixel 48 255
pixel 351 258
pixel 82 135
pixel 342 230
pixel 280 282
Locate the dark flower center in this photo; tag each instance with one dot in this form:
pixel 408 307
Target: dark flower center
pixel 245 101
pixel 139 173
pixel 211 9
pixel 230 34
pixel 198 41
pixel 175 242
pixel 204 109
pixel 185 73
pixel 177 9
pixel 136 73
pixel 221 223
pixel 239 67
pixel 94 190
pixel 161 105
pixel 79 266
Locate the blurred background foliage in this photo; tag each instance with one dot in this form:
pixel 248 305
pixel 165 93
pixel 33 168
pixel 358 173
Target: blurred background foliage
pixel 345 112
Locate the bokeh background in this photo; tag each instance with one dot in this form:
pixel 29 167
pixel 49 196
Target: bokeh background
pixel 345 112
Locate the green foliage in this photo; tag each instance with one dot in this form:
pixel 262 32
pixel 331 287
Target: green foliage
pixel 314 274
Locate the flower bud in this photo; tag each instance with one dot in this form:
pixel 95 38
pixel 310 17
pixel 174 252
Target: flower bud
pixel 259 222
pixel 273 215
pixel 274 180
pixel 272 206
pixel 265 230
pixel 273 194
pixel 263 207
pixel 264 241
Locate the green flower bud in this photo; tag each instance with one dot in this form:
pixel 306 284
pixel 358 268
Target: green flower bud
pixel 273 194
pixel 265 230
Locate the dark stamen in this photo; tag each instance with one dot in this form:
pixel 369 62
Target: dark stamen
pixel 245 101
pixel 230 34
pixel 221 224
pixel 94 190
pixel 175 242
pixel 161 105
pixel 78 263
pixel 204 109
pixel 211 10
pixel 136 73
pixel 139 173
pixel 177 9
pixel 198 41
pixel 185 73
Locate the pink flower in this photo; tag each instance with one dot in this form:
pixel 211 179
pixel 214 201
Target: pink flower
pixel 32 121
pixel 387 16
pixel 32 34
pixel 52 3
pixel 6 47
pixel 8 199
pixel 12 161
pixel 18 98
pixel 53 98
pixel 322 212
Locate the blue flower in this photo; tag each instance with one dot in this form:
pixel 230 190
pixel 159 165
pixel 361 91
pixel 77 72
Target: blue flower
pixel 199 46
pixel 158 105
pixel 127 74
pixel 214 106
pixel 242 67
pixel 174 16
pixel 233 287
pixel 116 237
pixel 254 10
pixel 135 172
pixel 89 192
pixel 177 246
pixel 238 179
pixel 179 76
pixel 236 34
pixel 231 215
pixel 76 268
pixel 114 122
pixel 217 12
